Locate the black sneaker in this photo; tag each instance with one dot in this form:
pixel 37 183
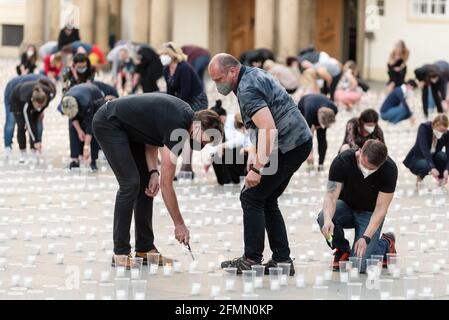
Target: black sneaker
pixel 74 165
pixel 242 264
pixel 93 166
pixel 274 264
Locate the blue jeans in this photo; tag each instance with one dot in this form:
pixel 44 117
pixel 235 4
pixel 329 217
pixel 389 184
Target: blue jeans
pixel 396 114
pixel 421 167
pixel 200 65
pixel 10 124
pixel 347 218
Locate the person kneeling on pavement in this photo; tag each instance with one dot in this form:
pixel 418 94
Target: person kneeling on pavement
pixel 360 190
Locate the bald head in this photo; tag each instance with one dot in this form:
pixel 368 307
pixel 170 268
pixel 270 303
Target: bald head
pixel 224 70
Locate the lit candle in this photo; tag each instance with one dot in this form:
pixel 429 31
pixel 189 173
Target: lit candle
pixel 15 280
pixel 31 260
pixel 60 258
pixel 396 273
pixel 328 275
pixel 167 270
pixel 229 285
pixel 153 269
pixel 177 266
pixel 300 281
pixel 248 287
pixel 319 281
pixel 28 282
pixel 344 277
pixel 88 274
pixel 135 274
pixel 211 266
pixel 275 285
pixel 196 287
pixel 104 276
pixel 354 273
pixel 28 236
pixel 284 280
pixel 258 282
pixel 120 271
pixel 215 291
pixel 410 294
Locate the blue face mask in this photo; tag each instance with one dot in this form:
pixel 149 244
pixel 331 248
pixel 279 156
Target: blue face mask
pixel 81 70
pixel 224 88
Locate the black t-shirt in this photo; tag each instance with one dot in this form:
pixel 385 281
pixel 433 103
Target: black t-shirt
pixel 310 104
pixel 358 193
pixel 155 119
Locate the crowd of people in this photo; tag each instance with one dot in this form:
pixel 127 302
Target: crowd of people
pixel 143 131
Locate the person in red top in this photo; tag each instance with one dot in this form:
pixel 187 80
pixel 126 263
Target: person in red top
pixel 198 58
pixel 53 66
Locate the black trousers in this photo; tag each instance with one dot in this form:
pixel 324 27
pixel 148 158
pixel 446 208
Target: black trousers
pixel 230 170
pixel 261 210
pixel 37 128
pixel 128 162
pixel 77 146
pixel 322 145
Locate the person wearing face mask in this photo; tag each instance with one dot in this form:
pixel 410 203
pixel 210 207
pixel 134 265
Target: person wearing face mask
pixel 28 103
pixel 359 193
pixel 80 104
pixel 125 72
pixel 427 154
pixel 433 92
pixel 359 130
pixel 131 131
pixel 80 72
pixel 281 143
pixel 28 61
pixel 395 107
pixel 319 112
pixel 183 82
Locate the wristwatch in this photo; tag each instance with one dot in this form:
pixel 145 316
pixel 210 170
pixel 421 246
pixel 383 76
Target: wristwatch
pixel 153 172
pixel 367 239
pixel 254 169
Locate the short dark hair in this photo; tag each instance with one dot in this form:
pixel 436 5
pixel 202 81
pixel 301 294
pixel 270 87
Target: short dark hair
pixel 376 152
pixel 291 60
pixel 412 83
pixel 369 116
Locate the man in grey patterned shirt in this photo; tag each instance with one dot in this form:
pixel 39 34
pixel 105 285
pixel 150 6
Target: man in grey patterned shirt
pixel 283 143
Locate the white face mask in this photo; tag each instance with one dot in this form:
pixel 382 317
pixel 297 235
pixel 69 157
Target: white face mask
pixel 165 60
pixel 370 130
pixel 438 134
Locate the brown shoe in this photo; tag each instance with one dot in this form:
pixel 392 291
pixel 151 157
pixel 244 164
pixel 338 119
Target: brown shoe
pixel 128 262
pixel 161 258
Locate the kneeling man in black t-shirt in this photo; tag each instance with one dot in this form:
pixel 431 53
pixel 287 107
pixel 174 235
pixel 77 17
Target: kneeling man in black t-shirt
pixel 360 190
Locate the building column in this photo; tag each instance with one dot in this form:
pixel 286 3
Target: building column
pixel 140 21
pixel 34 26
pixel 102 25
pixel 288 28
pixel 115 18
pixel 218 26
pixel 55 19
pixel 361 30
pixel 264 27
pixel 159 26
pixel 87 16
pixel 306 25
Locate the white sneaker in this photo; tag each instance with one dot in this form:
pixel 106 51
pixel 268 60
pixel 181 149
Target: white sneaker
pixel 8 152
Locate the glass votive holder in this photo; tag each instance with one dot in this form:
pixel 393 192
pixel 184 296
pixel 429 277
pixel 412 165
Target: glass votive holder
pixel 392 262
pixel 122 288
pixel 354 290
pixel 285 273
pixel 167 267
pixel 215 281
pixel 153 263
pixel 411 285
pixel 385 289
pixel 248 281
pixel 260 273
pixel 230 277
pixel 345 269
pixel 107 291
pixel 90 289
pixel 136 267
pixel 356 267
pixel 275 278
pixel 139 289
pixel 372 269
pixel 88 272
pixel 195 279
pixel 320 292
pixel 121 264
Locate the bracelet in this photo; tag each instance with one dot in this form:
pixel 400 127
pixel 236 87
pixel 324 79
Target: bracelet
pixel 153 172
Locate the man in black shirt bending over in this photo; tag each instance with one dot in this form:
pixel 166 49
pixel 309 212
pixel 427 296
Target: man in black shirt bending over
pixel 360 190
pixel 131 131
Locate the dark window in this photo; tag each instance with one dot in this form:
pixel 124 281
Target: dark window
pixel 381 7
pixel 12 35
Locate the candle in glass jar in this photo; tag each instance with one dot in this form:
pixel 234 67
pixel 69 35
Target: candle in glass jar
pixel 60 258
pixel 275 285
pixel 229 285
pixel 248 287
pixel 168 270
pixel 196 287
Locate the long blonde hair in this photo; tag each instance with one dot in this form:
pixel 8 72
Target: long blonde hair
pixel 175 52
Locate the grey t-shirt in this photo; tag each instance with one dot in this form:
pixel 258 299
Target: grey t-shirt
pixel 257 90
